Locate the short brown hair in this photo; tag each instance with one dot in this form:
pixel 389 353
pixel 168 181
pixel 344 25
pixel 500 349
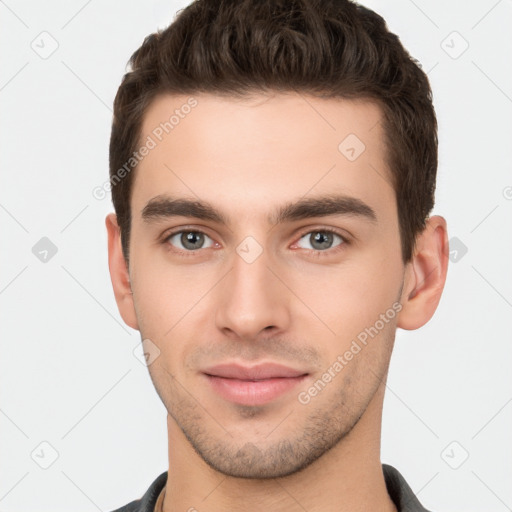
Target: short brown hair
pixel 326 48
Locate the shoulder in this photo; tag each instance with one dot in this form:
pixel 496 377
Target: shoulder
pixel 400 492
pixel 148 501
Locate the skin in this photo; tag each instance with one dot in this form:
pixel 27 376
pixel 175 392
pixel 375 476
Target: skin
pixel 295 304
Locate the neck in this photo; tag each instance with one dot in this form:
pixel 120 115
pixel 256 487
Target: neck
pixel 347 478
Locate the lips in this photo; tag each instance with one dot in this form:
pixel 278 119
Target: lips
pixel 255 385
pixel 258 372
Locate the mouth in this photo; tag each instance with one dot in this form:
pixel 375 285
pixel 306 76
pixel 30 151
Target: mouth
pixel 254 385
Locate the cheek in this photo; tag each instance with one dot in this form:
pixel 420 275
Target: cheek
pixel 351 296
pixel 160 287
pixel 169 299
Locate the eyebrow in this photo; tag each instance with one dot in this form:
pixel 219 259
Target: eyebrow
pixel 163 207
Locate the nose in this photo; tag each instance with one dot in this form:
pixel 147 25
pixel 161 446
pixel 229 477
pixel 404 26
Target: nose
pixel 252 299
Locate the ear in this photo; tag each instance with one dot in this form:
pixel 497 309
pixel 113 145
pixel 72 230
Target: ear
pixel 119 274
pixel 425 275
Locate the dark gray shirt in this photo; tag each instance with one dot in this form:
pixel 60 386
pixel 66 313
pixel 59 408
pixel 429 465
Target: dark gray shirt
pixel 398 489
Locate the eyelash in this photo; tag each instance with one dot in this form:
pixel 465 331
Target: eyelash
pixel 316 253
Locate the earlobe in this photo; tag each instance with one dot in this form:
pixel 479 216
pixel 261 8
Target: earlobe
pixel 425 275
pixel 119 274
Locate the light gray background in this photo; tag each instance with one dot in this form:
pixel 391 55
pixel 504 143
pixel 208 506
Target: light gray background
pixel 69 378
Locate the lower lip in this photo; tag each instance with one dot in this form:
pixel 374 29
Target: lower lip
pixel 248 392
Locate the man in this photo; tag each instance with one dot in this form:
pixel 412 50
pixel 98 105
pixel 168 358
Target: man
pixel 273 168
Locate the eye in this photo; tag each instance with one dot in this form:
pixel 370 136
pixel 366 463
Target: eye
pixel 320 240
pixel 190 240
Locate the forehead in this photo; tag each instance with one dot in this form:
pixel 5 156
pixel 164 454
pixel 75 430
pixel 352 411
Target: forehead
pixel 272 148
pixel 275 119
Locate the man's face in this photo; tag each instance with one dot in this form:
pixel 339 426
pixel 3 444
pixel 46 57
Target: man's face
pixel 263 282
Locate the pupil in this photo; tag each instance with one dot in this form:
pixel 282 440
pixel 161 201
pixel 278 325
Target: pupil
pixel 192 240
pixel 321 240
